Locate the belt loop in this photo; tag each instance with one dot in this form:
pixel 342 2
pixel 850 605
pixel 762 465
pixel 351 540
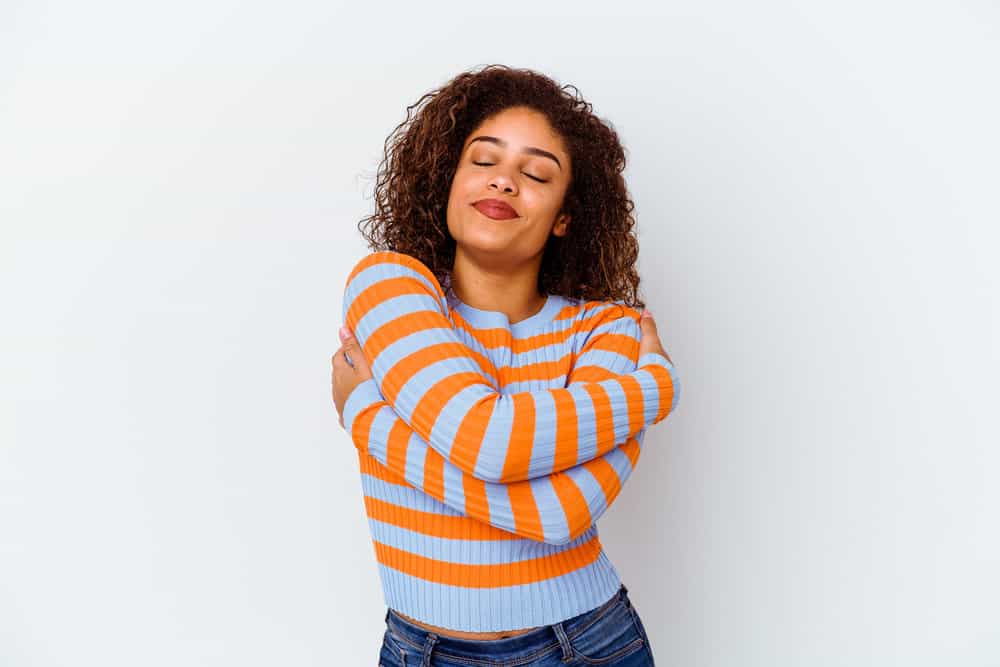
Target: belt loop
pixel 567 650
pixel 428 647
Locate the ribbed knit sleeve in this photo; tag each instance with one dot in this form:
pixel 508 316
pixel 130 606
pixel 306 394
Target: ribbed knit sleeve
pixel 397 310
pixel 555 508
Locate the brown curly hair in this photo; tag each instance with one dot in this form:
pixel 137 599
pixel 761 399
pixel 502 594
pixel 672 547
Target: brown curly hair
pixel 595 260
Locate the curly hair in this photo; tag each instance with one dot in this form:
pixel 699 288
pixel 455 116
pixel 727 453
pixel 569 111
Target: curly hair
pixel 595 260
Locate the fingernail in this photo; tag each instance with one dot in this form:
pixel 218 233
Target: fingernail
pixel 646 313
pixel 345 333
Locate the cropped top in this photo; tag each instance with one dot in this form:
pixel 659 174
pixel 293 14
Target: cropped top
pixel 488 449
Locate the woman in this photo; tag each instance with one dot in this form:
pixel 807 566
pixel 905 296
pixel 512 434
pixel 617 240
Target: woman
pixel 493 379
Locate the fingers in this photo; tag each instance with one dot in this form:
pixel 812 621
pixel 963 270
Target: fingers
pixel 339 360
pixel 352 349
pixel 650 341
pixel 347 353
pixel 648 326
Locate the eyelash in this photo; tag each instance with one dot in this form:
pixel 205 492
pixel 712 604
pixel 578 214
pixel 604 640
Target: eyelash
pixel 486 164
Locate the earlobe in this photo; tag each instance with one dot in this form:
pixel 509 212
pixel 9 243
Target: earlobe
pixel 561 225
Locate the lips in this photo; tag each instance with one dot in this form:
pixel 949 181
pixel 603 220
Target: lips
pixel 496 209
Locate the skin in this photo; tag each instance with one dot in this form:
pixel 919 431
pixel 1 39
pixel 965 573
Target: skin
pixel 497 261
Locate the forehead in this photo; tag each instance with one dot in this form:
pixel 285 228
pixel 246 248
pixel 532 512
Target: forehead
pixel 520 127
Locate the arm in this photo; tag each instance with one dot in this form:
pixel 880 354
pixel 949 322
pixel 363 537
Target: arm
pixel 556 508
pixel 397 310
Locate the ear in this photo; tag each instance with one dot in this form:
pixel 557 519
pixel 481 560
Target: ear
pixel 561 225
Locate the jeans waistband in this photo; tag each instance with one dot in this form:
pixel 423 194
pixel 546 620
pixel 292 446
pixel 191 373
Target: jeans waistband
pixel 415 639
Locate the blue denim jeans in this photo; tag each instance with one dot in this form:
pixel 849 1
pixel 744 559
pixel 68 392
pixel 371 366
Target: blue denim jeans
pixel 610 635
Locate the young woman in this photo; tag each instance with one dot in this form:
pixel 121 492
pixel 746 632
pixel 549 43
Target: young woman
pixel 496 377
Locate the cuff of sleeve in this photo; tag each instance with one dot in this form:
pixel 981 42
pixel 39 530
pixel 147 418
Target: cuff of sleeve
pixel 658 359
pixel 361 397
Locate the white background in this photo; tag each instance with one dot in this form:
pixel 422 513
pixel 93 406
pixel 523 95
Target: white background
pixel 816 189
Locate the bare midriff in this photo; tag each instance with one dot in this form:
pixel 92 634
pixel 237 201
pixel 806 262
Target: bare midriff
pixel 458 634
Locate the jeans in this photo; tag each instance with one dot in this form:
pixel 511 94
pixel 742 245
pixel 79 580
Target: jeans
pixel 610 635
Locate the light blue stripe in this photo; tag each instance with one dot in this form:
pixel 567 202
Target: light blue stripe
pixel 550 509
pixel 384 313
pixel 621 463
pixel 499 503
pixel 454 493
pixel 619 408
pixel 675 378
pixel 404 496
pixel 591 490
pixel 458 405
pixel 556 382
pixel 551 351
pixel 586 426
pixel 650 395
pixel 499 428
pixel 416 453
pixel 541 461
pixel 384 270
pixel 362 396
pixel 449 419
pixel 378 434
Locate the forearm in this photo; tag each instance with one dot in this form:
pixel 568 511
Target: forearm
pixel 555 508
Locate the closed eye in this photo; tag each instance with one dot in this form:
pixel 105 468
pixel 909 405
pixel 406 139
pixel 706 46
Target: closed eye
pixel 488 164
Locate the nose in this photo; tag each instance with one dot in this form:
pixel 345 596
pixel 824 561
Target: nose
pixel 501 181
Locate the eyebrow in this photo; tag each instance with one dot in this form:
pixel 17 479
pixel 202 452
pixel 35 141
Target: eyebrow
pixel 531 150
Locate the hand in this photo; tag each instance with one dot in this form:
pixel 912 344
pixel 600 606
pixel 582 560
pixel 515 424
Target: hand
pixel 344 376
pixel 650 341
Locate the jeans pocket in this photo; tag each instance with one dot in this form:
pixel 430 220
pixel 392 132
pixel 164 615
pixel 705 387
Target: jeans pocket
pixel 609 638
pixel 392 653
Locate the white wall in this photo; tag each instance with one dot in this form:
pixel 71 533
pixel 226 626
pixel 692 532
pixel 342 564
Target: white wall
pixel 816 191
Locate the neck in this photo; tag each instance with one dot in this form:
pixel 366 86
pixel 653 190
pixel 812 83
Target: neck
pixel 512 290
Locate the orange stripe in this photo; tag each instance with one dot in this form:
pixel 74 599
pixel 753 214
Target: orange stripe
pixel 604 426
pixel 606 476
pixel 663 378
pixel 477 503
pixel 541 370
pixel 434 525
pixel 473 425
pixel 527 518
pixel 635 401
pixel 491 575
pixel 434 474
pixel 522 437
pixel 370 465
pixel 420 359
pixel 397 445
pixel 465 451
pixel 362 425
pixel 574 504
pixel 567 431
pixel 393 257
pixel 632 450
pixel 617 342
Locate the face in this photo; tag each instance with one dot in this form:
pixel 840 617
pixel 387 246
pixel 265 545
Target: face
pixel 517 158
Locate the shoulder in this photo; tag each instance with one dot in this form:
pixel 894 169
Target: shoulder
pixel 604 315
pixel 602 323
pixel 383 264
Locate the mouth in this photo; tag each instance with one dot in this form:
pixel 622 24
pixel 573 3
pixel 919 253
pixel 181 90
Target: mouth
pixel 495 209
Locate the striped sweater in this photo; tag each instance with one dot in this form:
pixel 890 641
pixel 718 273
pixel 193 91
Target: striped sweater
pixel 488 449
